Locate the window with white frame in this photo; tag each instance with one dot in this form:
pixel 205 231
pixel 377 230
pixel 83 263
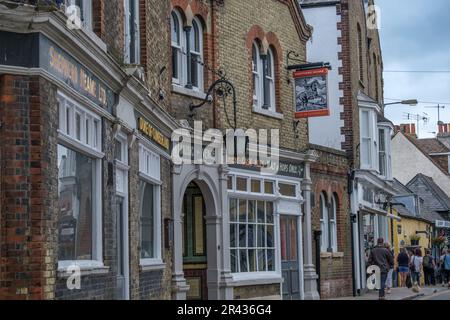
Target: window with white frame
pixel 150 206
pixel 187 52
pixel 252 223
pixel 252 238
pixel 263 69
pixel 132 49
pixel 333 223
pixel 176 27
pixel 384 152
pixel 84 11
pixel 369 139
pixel 79 184
pixel 328 214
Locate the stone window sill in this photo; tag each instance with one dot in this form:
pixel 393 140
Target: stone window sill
pixel 257 278
pixel 86 269
pixel 151 266
pixel 188 92
pixel 268 113
pixel 334 255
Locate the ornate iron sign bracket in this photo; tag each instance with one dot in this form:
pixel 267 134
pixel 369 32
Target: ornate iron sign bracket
pixel 221 88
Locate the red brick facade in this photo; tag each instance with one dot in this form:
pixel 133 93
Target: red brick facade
pixel 27 258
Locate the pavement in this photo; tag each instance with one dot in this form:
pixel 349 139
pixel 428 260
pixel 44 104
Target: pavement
pixel 398 294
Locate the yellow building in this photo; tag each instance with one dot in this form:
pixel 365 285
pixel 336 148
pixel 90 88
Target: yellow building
pixel 404 232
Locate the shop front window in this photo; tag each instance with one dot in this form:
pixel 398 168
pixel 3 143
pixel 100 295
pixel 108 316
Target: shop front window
pixel 252 237
pixel 76 186
pixel 147 220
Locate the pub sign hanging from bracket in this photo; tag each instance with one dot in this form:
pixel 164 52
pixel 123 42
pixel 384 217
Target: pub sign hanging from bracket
pixel 311 90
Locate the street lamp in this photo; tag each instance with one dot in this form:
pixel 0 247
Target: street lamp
pixel 411 102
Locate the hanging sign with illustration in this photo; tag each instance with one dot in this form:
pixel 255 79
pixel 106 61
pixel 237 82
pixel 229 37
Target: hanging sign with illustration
pixel 311 93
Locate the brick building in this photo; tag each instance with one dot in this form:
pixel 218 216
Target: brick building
pixel 85 174
pixel 354 142
pixel 246 217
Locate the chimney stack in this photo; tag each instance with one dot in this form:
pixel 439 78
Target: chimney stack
pixel 444 128
pixel 409 129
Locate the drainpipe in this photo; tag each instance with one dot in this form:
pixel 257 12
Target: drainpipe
pixel 317 236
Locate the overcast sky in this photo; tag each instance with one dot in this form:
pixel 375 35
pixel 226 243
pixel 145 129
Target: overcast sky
pixel 415 36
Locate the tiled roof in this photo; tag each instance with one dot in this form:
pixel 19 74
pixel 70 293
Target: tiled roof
pixel 415 142
pixel 438 199
pixel 431 146
pixel 401 188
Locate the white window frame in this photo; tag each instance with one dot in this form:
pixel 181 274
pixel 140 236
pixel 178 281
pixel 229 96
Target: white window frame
pixel 255 277
pixel 149 172
pixel 257 77
pixel 271 79
pixel 324 223
pixel 68 106
pixel 328 223
pixel 198 54
pixel 182 54
pixel 128 36
pixel 177 46
pixel 333 223
pixel 388 153
pixel 86 15
pixel 371 140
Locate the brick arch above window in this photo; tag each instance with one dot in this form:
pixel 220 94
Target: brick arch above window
pixel 190 9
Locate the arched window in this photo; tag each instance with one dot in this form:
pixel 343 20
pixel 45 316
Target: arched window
pixel 187 53
pixel 176 46
pixel 328 225
pixel 263 69
pixel 324 222
pixel 257 76
pixel 196 54
pixel 270 81
pixel 333 224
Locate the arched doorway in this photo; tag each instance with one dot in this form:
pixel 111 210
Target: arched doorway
pixel 201 269
pixel 195 260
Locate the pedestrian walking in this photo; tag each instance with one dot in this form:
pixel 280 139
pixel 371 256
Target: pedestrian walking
pixel 390 274
pixel 416 268
pixel 429 268
pixel 403 266
pixel 446 265
pixel 381 257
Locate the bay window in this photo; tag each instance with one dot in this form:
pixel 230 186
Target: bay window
pixel 187 52
pixel 79 185
pixel 369 140
pixel 384 151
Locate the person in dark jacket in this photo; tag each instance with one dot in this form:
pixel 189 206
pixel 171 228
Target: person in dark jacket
pixel 403 266
pixel 381 257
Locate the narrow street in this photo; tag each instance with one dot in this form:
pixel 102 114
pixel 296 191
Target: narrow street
pixel 439 296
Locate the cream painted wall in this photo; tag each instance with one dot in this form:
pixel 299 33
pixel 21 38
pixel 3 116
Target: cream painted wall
pixel 408 161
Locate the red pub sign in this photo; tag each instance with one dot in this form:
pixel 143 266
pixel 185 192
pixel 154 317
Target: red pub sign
pixel 311 93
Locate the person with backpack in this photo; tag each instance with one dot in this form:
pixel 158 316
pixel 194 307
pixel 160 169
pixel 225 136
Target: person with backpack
pixel 381 257
pixel 429 267
pixel 416 267
pixel 446 265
